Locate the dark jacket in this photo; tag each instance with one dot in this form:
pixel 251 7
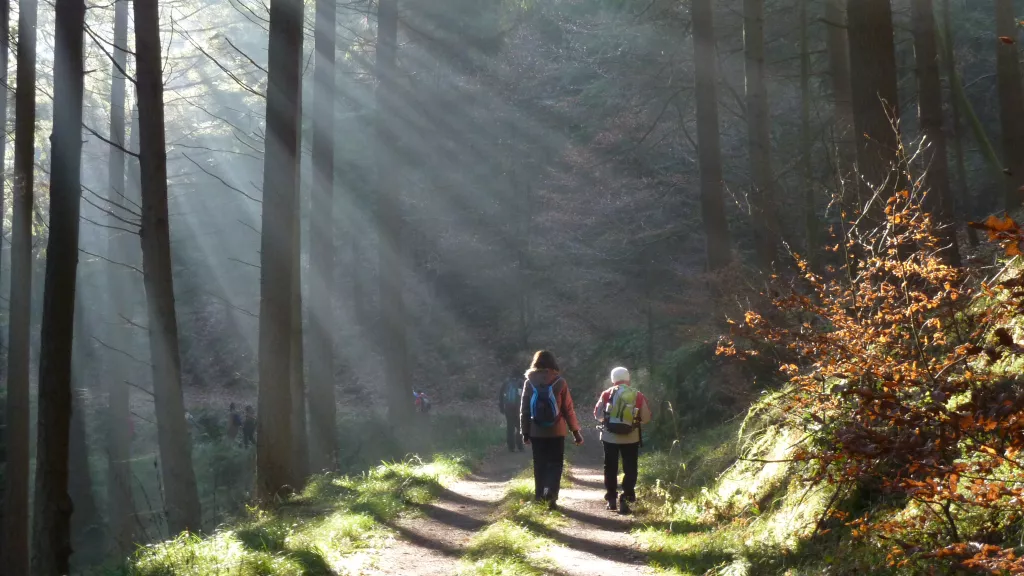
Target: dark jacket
pixel 566 422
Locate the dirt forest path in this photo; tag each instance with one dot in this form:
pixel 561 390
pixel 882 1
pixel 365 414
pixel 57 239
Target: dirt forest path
pixel 431 543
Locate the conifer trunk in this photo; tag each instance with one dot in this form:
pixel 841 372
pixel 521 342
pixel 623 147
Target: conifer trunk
pixel 121 507
pixel 961 196
pixel 300 447
pixel 51 525
pixel 15 548
pixel 322 406
pixel 181 496
pixel 939 199
pixel 764 213
pixel 5 44
pixel 837 41
pixel 812 226
pixel 875 98
pixel 716 230
pixel 391 335
pixel 274 445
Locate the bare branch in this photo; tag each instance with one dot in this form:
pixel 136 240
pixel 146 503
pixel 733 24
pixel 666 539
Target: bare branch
pixel 222 181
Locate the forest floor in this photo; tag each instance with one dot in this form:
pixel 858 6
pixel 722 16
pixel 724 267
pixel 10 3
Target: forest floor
pixel 443 537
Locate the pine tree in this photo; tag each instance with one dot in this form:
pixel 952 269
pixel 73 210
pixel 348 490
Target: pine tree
pixel 181 496
pixel 51 525
pixel 274 445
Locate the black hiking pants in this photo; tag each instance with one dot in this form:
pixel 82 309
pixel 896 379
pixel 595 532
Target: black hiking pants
pixel 630 454
pixel 513 436
pixel 548 459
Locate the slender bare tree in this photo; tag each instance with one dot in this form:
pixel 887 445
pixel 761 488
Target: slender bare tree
pixel 181 496
pixel 15 548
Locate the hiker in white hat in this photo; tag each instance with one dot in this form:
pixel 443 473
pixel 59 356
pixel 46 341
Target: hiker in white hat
pixel 622 410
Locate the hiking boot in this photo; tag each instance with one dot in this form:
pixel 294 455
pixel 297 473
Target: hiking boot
pixel 611 504
pixel 631 498
pixel 552 506
pixel 623 506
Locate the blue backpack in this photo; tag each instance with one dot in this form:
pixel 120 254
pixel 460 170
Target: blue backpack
pixel 544 405
pixel 513 393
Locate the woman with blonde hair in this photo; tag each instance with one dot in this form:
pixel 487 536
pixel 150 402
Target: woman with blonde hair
pixel 546 416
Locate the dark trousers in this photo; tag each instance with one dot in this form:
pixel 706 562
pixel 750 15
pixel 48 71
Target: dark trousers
pixel 513 436
pixel 548 458
pixel 630 453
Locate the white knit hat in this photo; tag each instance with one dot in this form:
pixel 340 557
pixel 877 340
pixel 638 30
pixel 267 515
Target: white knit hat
pixel 620 375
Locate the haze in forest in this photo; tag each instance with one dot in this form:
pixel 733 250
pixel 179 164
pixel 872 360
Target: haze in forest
pixel 267 265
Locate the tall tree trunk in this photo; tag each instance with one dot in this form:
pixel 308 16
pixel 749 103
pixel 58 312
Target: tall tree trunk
pixel 5 44
pixel 119 487
pixel 842 92
pixel 86 523
pixel 812 225
pixel 1011 101
pixel 962 199
pixel 300 446
pixel 51 529
pixel 322 406
pixel 764 213
pixel 15 548
pixel 274 445
pixel 716 229
pixel 875 98
pixel 87 530
pixel 391 335
pixel 181 497
pixel 939 200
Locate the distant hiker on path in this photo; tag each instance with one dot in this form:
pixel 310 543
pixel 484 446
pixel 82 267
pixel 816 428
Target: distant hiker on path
pixel 249 427
pixel 510 398
pixel 546 416
pixel 622 410
pixel 234 423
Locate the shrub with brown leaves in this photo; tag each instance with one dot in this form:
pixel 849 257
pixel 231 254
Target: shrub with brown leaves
pixel 897 369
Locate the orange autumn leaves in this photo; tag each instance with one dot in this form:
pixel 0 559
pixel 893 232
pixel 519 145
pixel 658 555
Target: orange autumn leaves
pixel 889 360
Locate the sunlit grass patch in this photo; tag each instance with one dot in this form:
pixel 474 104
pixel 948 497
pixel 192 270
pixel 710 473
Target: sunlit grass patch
pixel 311 533
pixel 520 507
pixel 506 548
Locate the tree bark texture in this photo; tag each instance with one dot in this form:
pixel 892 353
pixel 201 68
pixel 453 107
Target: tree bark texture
pixel 939 199
pixel 51 524
pixel 837 41
pixel 812 224
pixel 121 507
pixel 5 45
pixel 875 98
pixel 181 497
pixel 15 548
pixel 300 445
pixel 764 211
pixel 961 195
pixel 391 334
pixel 322 407
pixel 274 461
pixel 716 229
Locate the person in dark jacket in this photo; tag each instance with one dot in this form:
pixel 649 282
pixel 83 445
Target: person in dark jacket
pixel 547 438
pixel 249 427
pixel 509 399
